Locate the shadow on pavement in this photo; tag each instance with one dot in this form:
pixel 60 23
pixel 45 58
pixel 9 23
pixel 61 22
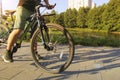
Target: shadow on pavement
pixel 109 58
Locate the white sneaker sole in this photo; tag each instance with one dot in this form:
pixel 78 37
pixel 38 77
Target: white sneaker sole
pixel 5 60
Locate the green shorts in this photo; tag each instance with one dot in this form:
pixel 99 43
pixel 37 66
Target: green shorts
pixel 21 15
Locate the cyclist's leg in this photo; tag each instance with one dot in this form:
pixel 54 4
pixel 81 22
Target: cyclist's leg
pixel 21 15
pixel 13 38
pixel 7 56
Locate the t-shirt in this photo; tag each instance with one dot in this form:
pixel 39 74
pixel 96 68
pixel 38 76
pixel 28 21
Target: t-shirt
pixel 28 4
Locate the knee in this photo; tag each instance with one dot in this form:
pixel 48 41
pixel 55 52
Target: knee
pixel 16 32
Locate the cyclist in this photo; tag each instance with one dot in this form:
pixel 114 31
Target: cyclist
pixel 24 9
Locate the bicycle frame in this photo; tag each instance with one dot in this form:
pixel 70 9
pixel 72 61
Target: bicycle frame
pixel 27 28
pixel 29 24
pixel 37 21
pixel 56 52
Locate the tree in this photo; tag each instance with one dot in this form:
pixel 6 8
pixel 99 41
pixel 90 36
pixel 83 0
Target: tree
pixel 92 19
pixel 53 18
pixel 82 17
pixel 70 18
pixel 60 19
pixel 111 16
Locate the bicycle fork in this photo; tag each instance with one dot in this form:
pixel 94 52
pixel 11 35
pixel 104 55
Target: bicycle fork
pixel 47 45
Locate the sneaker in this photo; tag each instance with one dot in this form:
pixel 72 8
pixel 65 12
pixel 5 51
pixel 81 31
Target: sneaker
pixel 7 57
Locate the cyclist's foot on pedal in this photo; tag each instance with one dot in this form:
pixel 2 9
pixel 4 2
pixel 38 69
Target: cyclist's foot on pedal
pixel 7 57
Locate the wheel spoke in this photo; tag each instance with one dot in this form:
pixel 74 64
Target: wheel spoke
pixel 60 56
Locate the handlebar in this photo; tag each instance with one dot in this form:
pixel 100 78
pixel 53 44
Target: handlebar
pixel 42 5
pixel 49 14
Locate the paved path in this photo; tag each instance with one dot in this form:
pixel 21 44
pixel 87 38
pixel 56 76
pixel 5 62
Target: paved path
pixel 90 63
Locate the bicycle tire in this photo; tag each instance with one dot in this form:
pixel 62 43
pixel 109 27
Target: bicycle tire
pixel 53 61
pixel 4 32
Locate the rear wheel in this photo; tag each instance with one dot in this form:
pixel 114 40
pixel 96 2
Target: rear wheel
pixel 3 34
pixel 61 49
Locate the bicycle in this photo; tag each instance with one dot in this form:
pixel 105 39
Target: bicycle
pixel 52 46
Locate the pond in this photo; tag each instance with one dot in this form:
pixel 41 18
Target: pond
pixel 95 38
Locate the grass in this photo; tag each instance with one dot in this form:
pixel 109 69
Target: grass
pixel 89 37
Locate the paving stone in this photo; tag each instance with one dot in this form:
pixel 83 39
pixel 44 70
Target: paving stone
pixel 89 63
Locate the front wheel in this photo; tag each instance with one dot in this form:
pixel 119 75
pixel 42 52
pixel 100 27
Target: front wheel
pixel 61 54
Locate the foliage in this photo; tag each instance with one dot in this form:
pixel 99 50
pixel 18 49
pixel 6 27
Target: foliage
pixel 70 18
pixel 90 37
pixel 105 17
pixel 82 17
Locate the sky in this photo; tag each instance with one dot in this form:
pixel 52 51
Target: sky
pixel 60 7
